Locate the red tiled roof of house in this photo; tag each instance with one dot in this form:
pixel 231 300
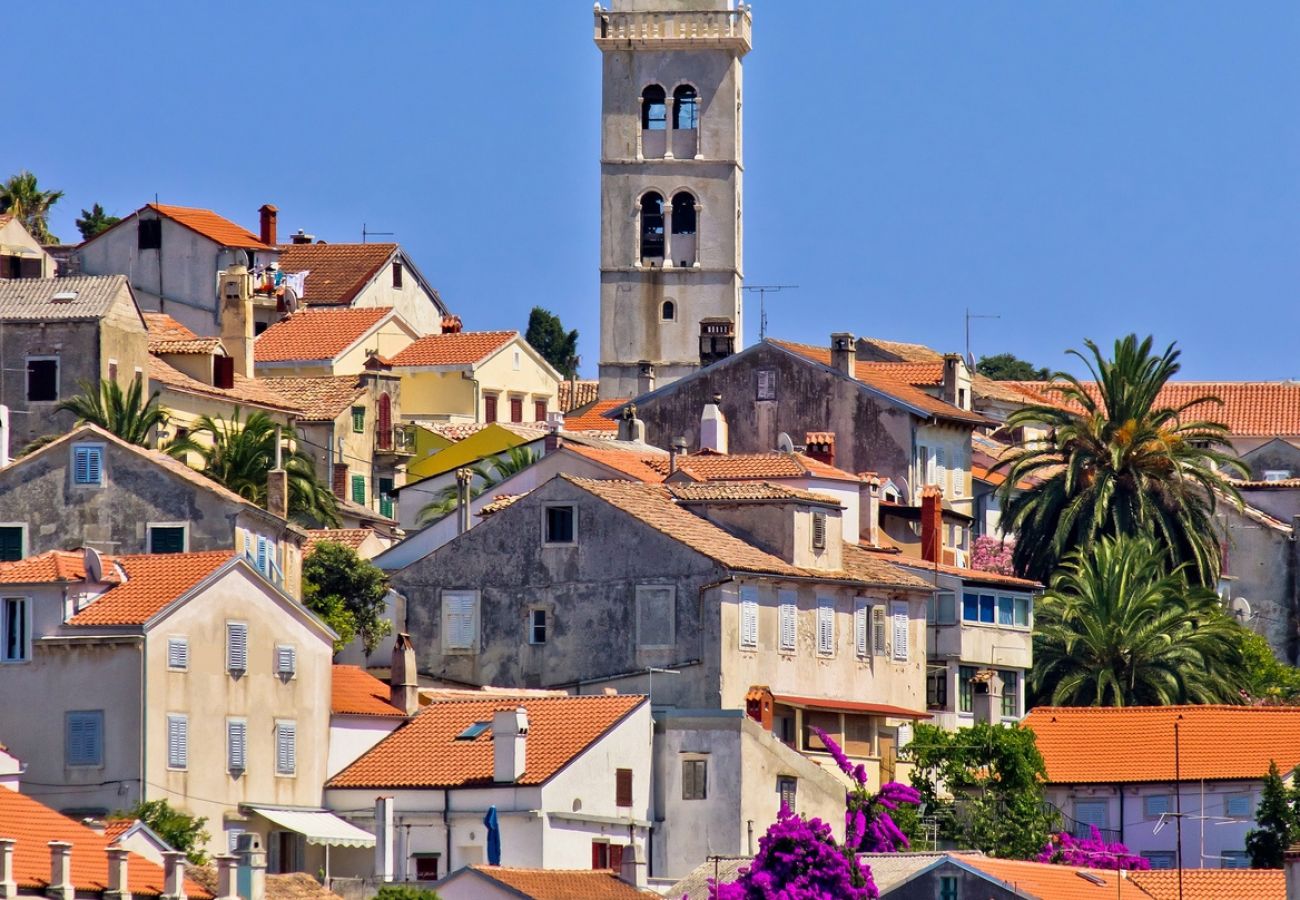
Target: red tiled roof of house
pixel 562 884
pixel 321 399
pixel 572 394
pixel 499 502
pixel 356 692
pixel 115 828
pixel 50 567
pixel 1053 882
pixel 1213 884
pixel 634 465
pixel 245 392
pixel 349 537
pixel 212 226
pixel 33 825
pixel 974 576
pixel 338 271
pixel 920 374
pixel 316 333
pixel 752 466
pixel 425 752
pixel 461 348
pixel 744 491
pixel 1087 745
pixel 152 582
pixel 592 416
pixel 166 335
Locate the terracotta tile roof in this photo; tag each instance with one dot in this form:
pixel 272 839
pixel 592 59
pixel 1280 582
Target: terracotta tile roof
pixel 1044 881
pixel 752 466
pixel 592 416
pixel 212 226
pixel 463 348
pixel 877 350
pixel 425 752
pixel 115 828
pixel 166 335
pixel 349 537
pixel 634 465
pixel 316 333
pixel 572 394
pixel 153 581
pixel 458 431
pixel 358 693
pixel 33 825
pixel 974 576
pixel 920 374
pixel 744 491
pixel 1214 884
pixel 338 271
pixel 500 502
pixel 321 399
pixel 246 391
pixel 1083 745
pixel 53 566
pixel 562 884
pixel 862 565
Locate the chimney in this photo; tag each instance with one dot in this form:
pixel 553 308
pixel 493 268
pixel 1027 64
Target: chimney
pixel 509 745
pixel 464 478
pixel 675 449
pixel 955 387
pixel 237 318
pixel 555 425
pixel 61 887
pixel 119 885
pixel 385 840
pixel 303 238
pixel 173 875
pixel 630 428
pixel 645 377
pixel 843 352
pixel 986 696
pixel 339 481
pixel 872 520
pixel 759 704
pixel 820 445
pixel 931 524
pixel 1291 865
pixel 403 682
pixel 713 426
pixel 632 869
pixel 8 882
pixel 277 483
pixel 226 863
pixel 252 866
pixel 266 216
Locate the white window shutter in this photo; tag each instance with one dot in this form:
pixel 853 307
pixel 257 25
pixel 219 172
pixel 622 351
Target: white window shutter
pixel 788 620
pixel 177 742
pixel 878 630
pixel 825 625
pixel 286 660
pixel 748 617
pixel 236 745
pixel 860 608
pixel 940 471
pixel 262 554
pixel 899 612
pixel 460 623
pixel 285 748
pixel 236 647
pixel 178 653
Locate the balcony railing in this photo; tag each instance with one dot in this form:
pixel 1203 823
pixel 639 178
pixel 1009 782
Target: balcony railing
pixel 677 28
pixel 399 440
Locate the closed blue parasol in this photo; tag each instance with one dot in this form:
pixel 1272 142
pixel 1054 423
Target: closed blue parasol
pixel 493 836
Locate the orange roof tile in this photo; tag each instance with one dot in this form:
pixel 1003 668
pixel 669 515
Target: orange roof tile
pixel 349 537
pixel 33 825
pixel 321 399
pixel 573 394
pixel 1045 881
pixel 635 465
pixel 920 374
pixel 316 334
pixel 562 884
pixel 1083 745
pixel 425 752
pixel 744 491
pixel 166 335
pixel 1213 884
pixel 50 567
pixel 356 692
pixel 115 828
pixel 338 271
pixel 462 348
pixel 974 576
pixel 152 582
pixel 592 416
pixel 245 392
pixel 212 226
pixel 752 466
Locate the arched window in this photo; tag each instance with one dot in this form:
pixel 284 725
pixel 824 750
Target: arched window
pixel 683 213
pixel 654 108
pixel 686 105
pixel 652 226
pixel 669 311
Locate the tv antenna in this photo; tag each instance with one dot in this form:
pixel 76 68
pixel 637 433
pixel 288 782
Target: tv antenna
pixel 365 233
pixel 763 290
pixel 970 360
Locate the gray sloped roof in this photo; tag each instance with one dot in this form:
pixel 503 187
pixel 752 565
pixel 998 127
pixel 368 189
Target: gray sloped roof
pixel 81 298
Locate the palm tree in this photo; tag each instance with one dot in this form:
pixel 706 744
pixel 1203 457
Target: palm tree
pixel 126 415
pixel 238 455
pixel 1116 462
pixel 20 197
pixel 487 474
pixel 1117 629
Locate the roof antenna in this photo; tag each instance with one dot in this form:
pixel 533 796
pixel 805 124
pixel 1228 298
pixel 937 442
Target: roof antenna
pixel 365 233
pixel 763 291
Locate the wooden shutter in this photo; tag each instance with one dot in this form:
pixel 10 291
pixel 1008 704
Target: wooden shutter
pixel 900 617
pixel 236 744
pixel 878 630
pixel 285 660
pixel 623 787
pixel 359 489
pixel 539 410
pixel 236 647
pixel 860 625
pixel 459 610
pixel 178 653
pixel 385 435
pixel 177 742
pixel 489 407
pixel 85 740
pixel 789 613
pixel 819 531
pixel 286 751
pixel 516 409
pixel 825 625
pixel 748 617
pixel 11 543
pixel 616 856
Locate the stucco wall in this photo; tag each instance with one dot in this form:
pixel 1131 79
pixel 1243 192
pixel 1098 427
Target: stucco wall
pixel 411 300
pixel 1260 566
pixel 351 736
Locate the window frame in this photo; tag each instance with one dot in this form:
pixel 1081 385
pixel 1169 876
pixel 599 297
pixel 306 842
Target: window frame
pixel 357 489
pixel 900 650
pixel 1147 812
pixel 285 727
pixel 516 409
pixel 1012 683
pixel 184 527
pixel 540 409
pixel 1239 795
pixel 643 591
pixel 784 784
pixel 695 786
pixel 965 690
pixel 825 626
pixel 58 377
pixel 862 627
pixel 648 122
pixel 547 540
pixel 747 604
pixel 491 402
pixel 533 625
pixel 233 723
pixel 447 595
pixel 397 274
pixel 86 716
pixel 175 641
pixel 818 531
pixel 788 620
pixel 765 382
pixel 178 724
pixel 624 794
pixel 879 630
pixel 25 637
pixel 1081 823
pixel 681 101
pixel 234 627
pixel 283 652
pixel 87 447
pixel 22 539
pixel 358 420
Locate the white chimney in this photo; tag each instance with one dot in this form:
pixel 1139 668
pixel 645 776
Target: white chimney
pixel 173 875
pixel 1291 866
pixel 226 889
pixel 61 887
pixel 713 426
pixel 870 525
pixel 385 840
pixel 119 883
pixel 509 744
pixel 632 869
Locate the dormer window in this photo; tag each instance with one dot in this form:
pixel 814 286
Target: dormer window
pixel 819 531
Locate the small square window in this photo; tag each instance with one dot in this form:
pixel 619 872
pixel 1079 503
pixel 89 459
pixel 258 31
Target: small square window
pixel 88 464
pixel 12 541
pixel 397 275
pixel 286 661
pixel 15 629
pixel 537 626
pixel 149 234
pixel 559 524
pixel 1156 805
pixel 786 789
pixel 84 741
pixel 178 654
pixel 166 538
pixel 1239 806
pixel 695 779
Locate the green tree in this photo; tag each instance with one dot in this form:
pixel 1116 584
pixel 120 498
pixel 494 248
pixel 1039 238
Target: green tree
pixel 125 414
pixel 488 474
pixel 1267 680
pixel 239 454
pixel 1009 367
pixel 1116 629
pixel 547 336
pixel 181 830
pixel 405 892
pixel 1116 462
pixel 984 786
pixel 347 592
pixel 1276 817
pixel 21 197
pixel 95 220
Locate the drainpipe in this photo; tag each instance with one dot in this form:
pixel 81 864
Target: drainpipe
pixel 446 824
pixel 477 394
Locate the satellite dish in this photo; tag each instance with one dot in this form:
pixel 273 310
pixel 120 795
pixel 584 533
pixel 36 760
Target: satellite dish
pixel 94 565
pixel 291 301
pixel 241 258
pixel 1240 608
pixel 784 444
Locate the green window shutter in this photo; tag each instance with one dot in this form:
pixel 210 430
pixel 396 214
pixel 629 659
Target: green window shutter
pixel 358 419
pixel 385 497
pixel 167 539
pixel 359 489
pixel 11 543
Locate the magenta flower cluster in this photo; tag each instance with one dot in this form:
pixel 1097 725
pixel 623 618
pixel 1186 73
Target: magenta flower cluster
pixel 1091 852
pixel 868 825
pixel 989 554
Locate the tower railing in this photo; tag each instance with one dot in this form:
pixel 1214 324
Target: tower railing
pixel 676 28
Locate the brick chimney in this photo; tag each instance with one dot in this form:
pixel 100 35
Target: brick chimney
pixel 843 352
pixel 403 682
pixel 931 524
pixel 339 480
pixel 509 745
pixel 266 218
pixel 820 445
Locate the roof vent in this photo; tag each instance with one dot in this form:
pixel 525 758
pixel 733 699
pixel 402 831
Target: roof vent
pixel 64 297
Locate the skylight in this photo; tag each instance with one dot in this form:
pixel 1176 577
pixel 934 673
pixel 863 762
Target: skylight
pixel 473 731
pixel 65 296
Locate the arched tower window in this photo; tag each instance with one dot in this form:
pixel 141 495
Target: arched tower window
pixel 652 226
pixel 683 213
pixel 654 108
pixel 668 312
pixel 686 107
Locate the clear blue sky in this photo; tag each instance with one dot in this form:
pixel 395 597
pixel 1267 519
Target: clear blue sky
pixel 1080 169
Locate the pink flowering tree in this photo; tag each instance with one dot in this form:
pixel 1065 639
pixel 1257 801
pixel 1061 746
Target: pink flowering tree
pixel 990 554
pixel 1091 852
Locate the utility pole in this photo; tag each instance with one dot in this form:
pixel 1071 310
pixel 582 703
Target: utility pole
pixel 763 290
pixel 970 360
pixel 1178 808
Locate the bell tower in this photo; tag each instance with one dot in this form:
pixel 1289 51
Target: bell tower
pixel 671 174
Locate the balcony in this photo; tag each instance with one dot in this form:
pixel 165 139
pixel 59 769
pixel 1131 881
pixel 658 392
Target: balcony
pixel 994 645
pixel 396 441
pixel 676 29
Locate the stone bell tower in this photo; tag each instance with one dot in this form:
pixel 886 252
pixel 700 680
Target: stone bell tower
pixel 670 187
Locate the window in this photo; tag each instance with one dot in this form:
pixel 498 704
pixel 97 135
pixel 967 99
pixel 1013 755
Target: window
pixel 825 625
pixel 460 620
pixel 749 617
pixel 655 616
pixel 1239 806
pixel 978 608
pixel 236 647
pixel 899 613
pixel 516 361
pixel 1010 694
pixel 12 540
pixel 17 625
pixel 1021 616
pixel 286 661
pixel 359 489
pixel 148 234
pixel 559 524
pixel 386 497
pixel 1277 474
pixel 965 692
pixel 766 388
pixel 232 839
pixel 936 689
pixel 236 744
pixel 861 625
pixel 683 213
pixel 539 410
pixel 286 749
pixel 178 653
pixel 940 471
pixel 1156 805
pixel 623 787
pixel 1160 859
pixel 786 788
pixel 473 731
pixel 358 419
pixel 516 409
pixel 426 866
pixel 397 274
pixel 878 637
pixel 384 415
pixel 668 312
pixel 167 538
pixel 1004 611
pixel 489 407
pixel 1090 813
pixel 1236 859
pixel 654 108
pixel 84 741
pixel 652 226
pixel 42 380
pixel 178 741
pixel 948 888
pixel 605 855
pixel 695 779
pixel 819 531
pixel 942 609
pixel 88 464
pixel 686 107
pixel 537 626
pixel 789 610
